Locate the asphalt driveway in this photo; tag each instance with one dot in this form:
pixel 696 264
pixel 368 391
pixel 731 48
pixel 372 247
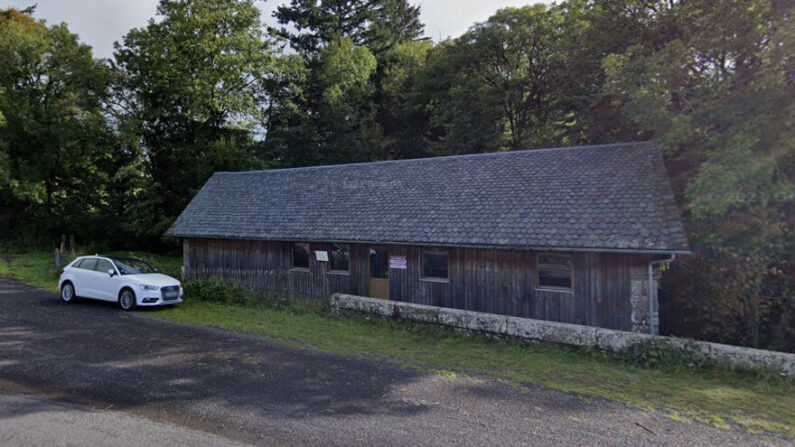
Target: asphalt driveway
pixel 258 391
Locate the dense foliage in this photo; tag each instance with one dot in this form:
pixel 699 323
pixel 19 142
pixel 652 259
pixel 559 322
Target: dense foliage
pixel 112 150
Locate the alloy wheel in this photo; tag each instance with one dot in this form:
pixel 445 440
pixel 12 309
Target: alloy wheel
pixel 127 300
pixel 67 293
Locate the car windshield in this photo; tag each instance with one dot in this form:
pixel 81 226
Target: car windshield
pixel 132 266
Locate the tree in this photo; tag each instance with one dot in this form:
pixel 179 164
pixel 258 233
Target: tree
pixel 459 113
pixel 54 148
pixel 348 49
pixel 332 120
pixel 318 23
pixel 714 90
pixel 513 81
pixel 376 24
pixel 192 85
pixel 402 119
pixel 515 55
pixel 396 22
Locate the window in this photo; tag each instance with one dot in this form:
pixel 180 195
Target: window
pixel 434 264
pixel 103 266
pixel 133 266
pixel 339 258
pixel 554 271
pixel 88 263
pixel 300 255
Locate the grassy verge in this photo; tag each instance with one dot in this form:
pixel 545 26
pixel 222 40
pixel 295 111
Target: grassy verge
pixel 36 269
pixel 707 394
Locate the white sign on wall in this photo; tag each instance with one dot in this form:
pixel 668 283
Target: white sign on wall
pixel 397 262
pixel 321 256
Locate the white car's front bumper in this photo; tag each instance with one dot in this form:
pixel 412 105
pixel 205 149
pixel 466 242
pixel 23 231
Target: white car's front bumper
pixel 155 298
pixel 157 301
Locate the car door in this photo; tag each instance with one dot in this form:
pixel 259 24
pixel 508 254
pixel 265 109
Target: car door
pixel 84 278
pixel 105 284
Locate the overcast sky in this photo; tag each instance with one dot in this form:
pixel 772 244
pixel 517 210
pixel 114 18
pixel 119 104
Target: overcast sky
pixel 101 22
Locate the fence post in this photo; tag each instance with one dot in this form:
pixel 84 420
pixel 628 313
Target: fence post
pixel 72 248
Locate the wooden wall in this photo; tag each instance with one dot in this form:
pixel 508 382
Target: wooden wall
pixel 495 281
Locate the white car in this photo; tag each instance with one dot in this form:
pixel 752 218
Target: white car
pixel 130 282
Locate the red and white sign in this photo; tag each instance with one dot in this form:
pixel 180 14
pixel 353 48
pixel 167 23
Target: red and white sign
pixel 397 262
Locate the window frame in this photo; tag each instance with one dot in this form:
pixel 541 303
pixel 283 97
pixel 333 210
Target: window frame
pixel 335 271
pixel 555 288
pixel 308 256
pixel 422 266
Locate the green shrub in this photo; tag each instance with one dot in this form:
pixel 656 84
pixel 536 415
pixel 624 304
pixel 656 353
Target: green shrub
pixel 236 294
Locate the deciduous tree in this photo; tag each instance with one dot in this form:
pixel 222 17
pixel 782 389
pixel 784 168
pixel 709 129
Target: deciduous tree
pixel 54 146
pixel 192 84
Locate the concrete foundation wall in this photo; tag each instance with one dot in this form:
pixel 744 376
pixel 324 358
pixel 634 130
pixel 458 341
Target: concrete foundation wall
pixel 563 333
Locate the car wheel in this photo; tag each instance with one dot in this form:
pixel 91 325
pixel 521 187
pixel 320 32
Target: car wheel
pixel 67 292
pixel 127 299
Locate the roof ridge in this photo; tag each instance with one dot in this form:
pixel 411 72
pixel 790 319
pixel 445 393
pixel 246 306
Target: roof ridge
pixel 442 157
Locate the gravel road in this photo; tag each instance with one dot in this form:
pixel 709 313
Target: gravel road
pixel 257 391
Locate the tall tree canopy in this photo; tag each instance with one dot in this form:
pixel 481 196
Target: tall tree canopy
pixel 53 146
pixel 191 84
pixel 715 89
pixel 377 24
pixel 527 77
pixel 349 50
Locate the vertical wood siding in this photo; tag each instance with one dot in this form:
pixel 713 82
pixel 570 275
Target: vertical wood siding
pixel 494 281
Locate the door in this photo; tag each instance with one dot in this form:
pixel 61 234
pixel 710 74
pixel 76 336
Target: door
pixel 105 285
pixel 83 275
pixel 378 273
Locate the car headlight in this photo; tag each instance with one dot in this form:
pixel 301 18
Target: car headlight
pixel 149 287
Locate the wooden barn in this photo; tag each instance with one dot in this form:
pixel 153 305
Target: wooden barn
pixel 565 234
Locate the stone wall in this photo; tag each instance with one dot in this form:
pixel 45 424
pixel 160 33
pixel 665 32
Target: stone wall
pixel 563 333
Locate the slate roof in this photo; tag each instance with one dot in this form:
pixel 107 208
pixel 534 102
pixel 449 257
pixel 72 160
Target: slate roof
pixel 605 197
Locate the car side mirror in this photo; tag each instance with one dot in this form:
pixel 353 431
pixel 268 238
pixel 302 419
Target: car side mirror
pixel 111 272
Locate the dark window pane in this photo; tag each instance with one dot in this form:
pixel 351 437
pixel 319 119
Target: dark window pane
pixel 103 266
pixel 379 263
pixel 301 255
pixel 434 264
pixel 554 271
pixel 88 264
pixel 339 257
pixel 77 264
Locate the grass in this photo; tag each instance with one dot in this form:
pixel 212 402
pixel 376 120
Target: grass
pixel 34 268
pixel 715 396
